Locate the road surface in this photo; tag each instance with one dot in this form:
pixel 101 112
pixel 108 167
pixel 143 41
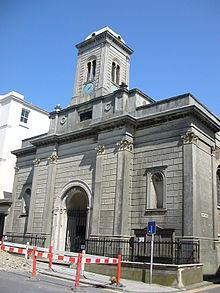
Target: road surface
pixel 11 282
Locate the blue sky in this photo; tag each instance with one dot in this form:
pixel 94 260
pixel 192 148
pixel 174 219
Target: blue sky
pixel 176 46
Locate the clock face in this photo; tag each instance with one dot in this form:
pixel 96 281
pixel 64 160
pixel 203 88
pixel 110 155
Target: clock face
pixel 88 88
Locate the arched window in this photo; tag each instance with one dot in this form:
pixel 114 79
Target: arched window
pixel 218 185
pixel 26 201
pixel 156 189
pixel 91 70
pixel 115 73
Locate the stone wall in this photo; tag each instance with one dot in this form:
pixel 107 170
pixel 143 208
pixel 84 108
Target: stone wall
pixel 23 179
pixel 178 276
pixel 159 146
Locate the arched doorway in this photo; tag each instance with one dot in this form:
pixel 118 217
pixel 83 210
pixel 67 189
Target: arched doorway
pixel 76 206
pixel 71 216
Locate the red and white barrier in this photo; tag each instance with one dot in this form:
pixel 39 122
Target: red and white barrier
pixel 80 260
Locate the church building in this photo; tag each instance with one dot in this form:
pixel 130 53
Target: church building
pixel 115 159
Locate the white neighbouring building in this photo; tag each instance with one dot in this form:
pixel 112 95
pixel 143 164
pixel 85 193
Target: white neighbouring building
pixel 18 120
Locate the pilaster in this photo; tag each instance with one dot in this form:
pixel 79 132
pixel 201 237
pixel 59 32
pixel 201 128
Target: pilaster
pixel 97 191
pixel 190 141
pixel 51 177
pixel 36 163
pixel 123 182
pixel 214 194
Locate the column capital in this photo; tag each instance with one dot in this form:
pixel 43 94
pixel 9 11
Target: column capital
pixel 213 150
pixel 16 169
pixel 36 162
pixel 53 159
pixel 62 211
pixel 125 144
pixel 190 137
pixel 100 149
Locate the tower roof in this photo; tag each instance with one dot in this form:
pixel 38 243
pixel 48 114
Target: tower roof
pixel 104 29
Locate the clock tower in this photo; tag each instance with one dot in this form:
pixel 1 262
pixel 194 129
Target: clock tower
pixel 103 64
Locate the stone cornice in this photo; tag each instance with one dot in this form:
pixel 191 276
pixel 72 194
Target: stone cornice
pixel 178 113
pixel 102 37
pixel 86 132
pixel 121 120
pixel 22 151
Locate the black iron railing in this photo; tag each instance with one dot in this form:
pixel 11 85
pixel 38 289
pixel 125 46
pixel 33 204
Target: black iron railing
pixel 33 239
pixel 171 252
pixel 181 251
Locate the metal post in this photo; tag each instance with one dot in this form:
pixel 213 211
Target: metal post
pixel 119 270
pixel 83 263
pixel 151 257
pixel 34 266
pixel 26 252
pixel 50 256
pixel 79 261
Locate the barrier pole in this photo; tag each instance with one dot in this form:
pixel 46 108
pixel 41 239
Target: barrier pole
pixel 2 243
pixel 83 263
pixel 119 269
pixel 26 252
pixel 34 267
pixel 79 261
pixel 50 256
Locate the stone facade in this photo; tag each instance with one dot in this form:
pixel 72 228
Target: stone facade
pixel 124 159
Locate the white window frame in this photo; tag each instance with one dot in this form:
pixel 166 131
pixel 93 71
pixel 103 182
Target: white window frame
pixel 24 116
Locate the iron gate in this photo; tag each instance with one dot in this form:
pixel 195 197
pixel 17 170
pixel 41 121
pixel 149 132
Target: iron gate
pixel 76 229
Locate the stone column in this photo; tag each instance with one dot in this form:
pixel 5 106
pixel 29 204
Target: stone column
pixel 36 163
pixel 97 191
pixel 62 229
pixel 122 194
pixel 55 228
pixel 49 200
pixel 189 201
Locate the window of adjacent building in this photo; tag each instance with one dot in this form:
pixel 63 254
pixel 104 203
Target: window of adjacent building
pixel 24 115
pixel 115 73
pixel 218 185
pixel 91 70
pixel 26 199
pixel 156 190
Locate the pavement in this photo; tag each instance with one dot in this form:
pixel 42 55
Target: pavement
pixel 102 281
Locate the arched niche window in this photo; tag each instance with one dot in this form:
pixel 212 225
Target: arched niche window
pixel 218 185
pixel 156 189
pixel 115 73
pixel 91 70
pixel 26 199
